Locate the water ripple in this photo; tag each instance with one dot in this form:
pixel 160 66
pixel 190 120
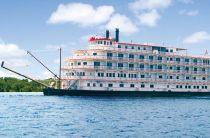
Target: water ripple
pixel 35 115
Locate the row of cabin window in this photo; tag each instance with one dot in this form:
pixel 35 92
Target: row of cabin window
pixel 189 87
pixel 75 74
pixel 105 42
pixel 151 86
pixel 142 48
pixel 120 85
pixel 124 75
pixel 187 60
pixel 141 66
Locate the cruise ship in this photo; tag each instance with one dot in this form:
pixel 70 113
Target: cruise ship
pixel 111 66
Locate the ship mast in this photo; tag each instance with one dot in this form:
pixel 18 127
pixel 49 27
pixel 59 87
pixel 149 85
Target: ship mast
pixel 60 69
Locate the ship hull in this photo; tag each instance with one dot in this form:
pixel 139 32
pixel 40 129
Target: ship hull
pixel 62 92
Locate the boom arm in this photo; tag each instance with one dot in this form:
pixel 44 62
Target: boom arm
pixel 2 65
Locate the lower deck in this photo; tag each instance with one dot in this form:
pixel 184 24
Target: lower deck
pixel 133 86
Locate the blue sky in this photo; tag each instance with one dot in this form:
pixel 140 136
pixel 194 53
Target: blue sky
pixel 42 26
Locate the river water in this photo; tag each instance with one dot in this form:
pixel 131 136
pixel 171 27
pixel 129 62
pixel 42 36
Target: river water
pixel 35 115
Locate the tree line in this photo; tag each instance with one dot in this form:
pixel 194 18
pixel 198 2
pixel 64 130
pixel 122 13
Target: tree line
pixel 10 84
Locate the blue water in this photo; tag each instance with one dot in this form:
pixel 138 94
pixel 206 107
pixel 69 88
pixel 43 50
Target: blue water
pixel 35 115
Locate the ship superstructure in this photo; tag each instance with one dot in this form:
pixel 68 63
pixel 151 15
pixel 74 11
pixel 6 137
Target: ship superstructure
pixel 110 65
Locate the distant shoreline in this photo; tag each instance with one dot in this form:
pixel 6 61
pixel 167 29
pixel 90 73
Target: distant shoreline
pixel 10 84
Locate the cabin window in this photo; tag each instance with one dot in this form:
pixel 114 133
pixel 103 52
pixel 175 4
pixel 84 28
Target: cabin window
pixel 94 54
pixel 139 48
pixel 96 64
pixel 120 64
pixel 120 55
pixel 160 58
pixel 109 64
pixel 160 76
pixel 204 78
pixel 132 85
pixel 84 63
pixel 159 66
pixel 88 84
pixel 121 85
pixel 141 56
pixel 131 56
pixel 151 57
pixel 187 68
pixel 178 59
pixel 142 85
pixel 195 60
pixel 187 60
pixel 110 85
pixel 119 46
pixel 79 63
pixel 187 78
pixel 142 76
pixel 109 54
pixel 101 85
pixel 94 85
pixel 131 65
pixel 151 86
pixel 141 66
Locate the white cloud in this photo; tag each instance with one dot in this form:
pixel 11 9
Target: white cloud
pixel 123 22
pixel 148 11
pixel 149 18
pixel 189 13
pixel 11 50
pixel 149 4
pixel 13 56
pixel 82 14
pixel 197 37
